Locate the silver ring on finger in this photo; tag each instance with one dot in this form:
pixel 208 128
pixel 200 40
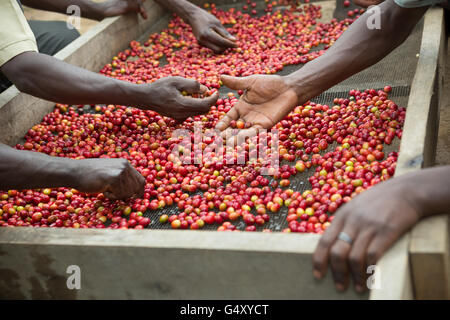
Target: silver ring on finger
pixel 345 237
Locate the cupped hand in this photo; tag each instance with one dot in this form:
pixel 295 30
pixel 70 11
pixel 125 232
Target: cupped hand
pixel 116 178
pixel 166 97
pixel 210 32
pixel 374 220
pixel 267 99
pixel 112 8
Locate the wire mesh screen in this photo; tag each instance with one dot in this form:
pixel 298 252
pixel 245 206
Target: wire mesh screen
pixel 397 70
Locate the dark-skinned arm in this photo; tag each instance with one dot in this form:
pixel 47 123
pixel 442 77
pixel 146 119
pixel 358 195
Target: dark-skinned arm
pixel 268 99
pixel 89 9
pixel 357 49
pixel 207 29
pixel 65 83
pixel 29 170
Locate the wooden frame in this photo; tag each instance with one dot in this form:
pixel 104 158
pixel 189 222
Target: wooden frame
pixel 155 264
pixel 429 243
pixel 424 252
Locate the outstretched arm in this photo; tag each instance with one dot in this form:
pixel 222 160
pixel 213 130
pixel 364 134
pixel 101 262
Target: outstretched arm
pixel 88 8
pixel 69 84
pixel 358 48
pixel 30 170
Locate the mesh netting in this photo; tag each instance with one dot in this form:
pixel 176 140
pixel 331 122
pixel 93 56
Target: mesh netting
pixel 396 70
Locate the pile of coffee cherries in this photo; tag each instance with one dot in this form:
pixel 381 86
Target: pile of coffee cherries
pixel 265 45
pixel 340 147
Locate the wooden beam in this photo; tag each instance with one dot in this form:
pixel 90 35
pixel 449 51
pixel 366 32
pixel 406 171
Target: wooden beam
pixel 155 264
pixel 416 150
pixel 418 142
pixel 429 249
pixel 430 262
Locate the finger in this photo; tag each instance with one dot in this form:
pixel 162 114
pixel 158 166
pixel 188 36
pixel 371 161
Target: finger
pixel 321 254
pixel 339 254
pixel 224 33
pixel 245 134
pixel 339 265
pixel 379 244
pixel 236 83
pixel 357 259
pixel 143 12
pixel 128 184
pixel 135 182
pixel 203 89
pixel 110 195
pixel 142 9
pixel 215 37
pixel 118 190
pixel 200 104
pixel 228 135
pixel 212 46
pixel 140 185
pixel 226 119
pixel 189 85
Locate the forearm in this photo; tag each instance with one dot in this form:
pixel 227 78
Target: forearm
pixel 183 8
pixel 428 190
pixel 65 83
pixel 30 170
pixel 88 9
pixel 358 48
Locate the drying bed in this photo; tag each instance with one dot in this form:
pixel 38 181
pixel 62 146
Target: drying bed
pixel 299 38
pixel 226 253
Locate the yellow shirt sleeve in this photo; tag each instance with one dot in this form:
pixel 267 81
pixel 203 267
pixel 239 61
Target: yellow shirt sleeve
pixel 15 33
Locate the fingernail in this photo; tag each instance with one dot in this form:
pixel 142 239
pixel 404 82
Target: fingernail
pixel 339 286
pixel 359 288
pixel 317 274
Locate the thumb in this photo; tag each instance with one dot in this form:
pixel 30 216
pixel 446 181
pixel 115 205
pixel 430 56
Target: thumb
pixel 236 83
pixel 224 33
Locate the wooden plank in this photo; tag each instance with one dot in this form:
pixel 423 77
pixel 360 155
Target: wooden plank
pixel 429 254
pixel 421 111
pixel 155 264
pixel 416 150
pixel 429 248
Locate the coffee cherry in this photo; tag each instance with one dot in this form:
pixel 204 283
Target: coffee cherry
pixel 340 143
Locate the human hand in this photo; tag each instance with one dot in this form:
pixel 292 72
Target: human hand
pixel 112 8
pixel 267 99
pixel 210 32
pixel 373 220
pixel 165 95
pixel 116 178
